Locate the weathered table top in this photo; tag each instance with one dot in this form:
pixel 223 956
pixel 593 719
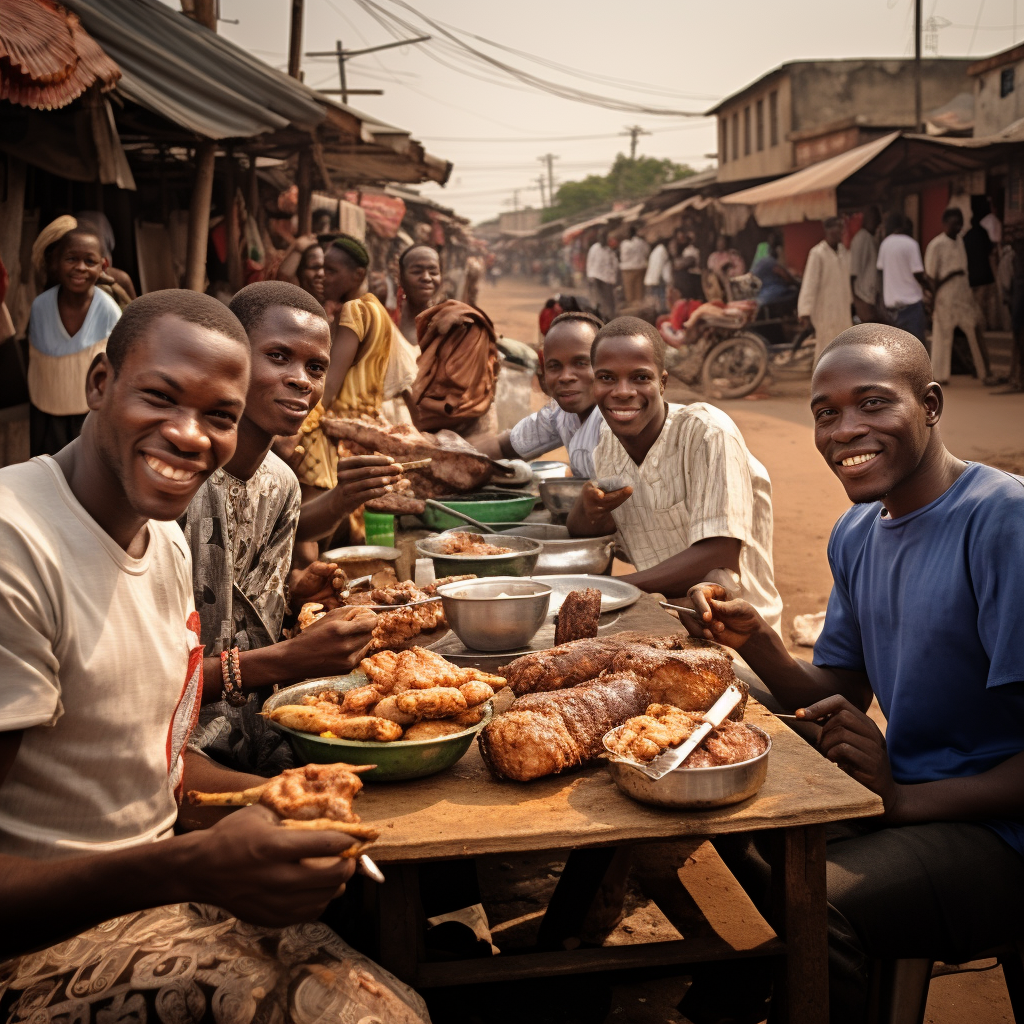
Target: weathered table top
pixel 465 812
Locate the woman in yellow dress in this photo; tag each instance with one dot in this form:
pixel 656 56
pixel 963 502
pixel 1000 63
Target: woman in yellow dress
pixel 360 353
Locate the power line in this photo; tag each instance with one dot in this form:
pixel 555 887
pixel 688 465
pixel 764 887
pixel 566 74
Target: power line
pixel 557 138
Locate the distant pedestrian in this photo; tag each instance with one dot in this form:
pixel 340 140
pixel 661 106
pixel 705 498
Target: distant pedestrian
pixel 903 278
pixel 864 267
pixel 602 275
pixel 686 266
pixel 981 270
pixel 945 263
pixel 633 255
pixel 725 260
pixel 779 289
pixel 825 297
pixel 659 274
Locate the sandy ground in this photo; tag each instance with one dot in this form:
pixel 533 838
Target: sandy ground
pixel 808 499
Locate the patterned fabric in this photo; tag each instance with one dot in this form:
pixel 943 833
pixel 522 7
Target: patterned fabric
pixel 190 963
pixel 241 534
pixel 697 481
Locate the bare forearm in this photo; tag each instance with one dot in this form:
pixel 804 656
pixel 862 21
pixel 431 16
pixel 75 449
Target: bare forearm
pixel 677 574
pixel 997 793
pixel 496 446
pixel 321 516
pixel 263 666
pixel 206 775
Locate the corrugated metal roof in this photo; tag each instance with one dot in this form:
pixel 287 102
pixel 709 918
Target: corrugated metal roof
pixel 191 76
pixel 809 194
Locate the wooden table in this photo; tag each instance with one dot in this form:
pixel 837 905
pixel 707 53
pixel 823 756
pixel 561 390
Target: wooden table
pixel 464 812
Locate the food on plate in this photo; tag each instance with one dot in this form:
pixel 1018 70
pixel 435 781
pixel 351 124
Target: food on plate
pixel 692 677
pixel 545 733
pixel 316 796
pixel 431 730
pixel 431 588
pixel 455 466
pixel 435 702
pixel 309 613
pixel 418 668
pixel 404 689
pixel 578 617
pixel 469 544
pixel 402 500
pixel 662 726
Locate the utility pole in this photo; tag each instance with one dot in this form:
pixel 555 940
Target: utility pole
pixel 634 132
pixel 344 55
pixel 540 182
pixel 295 41
pixel 918 126
pixel 549 159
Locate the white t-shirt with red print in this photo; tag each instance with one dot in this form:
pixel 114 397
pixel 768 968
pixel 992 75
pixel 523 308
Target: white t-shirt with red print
pixel 100 667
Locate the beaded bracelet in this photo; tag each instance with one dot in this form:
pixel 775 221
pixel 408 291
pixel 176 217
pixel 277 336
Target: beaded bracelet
pixel 231 675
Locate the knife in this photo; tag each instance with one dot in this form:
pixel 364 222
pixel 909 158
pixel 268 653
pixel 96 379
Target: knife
pixel 675 756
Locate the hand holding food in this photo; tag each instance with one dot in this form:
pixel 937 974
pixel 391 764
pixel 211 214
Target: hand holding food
pixel 317 584
pixel 720 617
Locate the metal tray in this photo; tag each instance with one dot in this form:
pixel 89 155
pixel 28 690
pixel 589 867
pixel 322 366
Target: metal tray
pixel 615 593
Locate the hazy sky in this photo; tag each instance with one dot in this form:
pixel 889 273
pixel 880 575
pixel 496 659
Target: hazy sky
pixel 692 53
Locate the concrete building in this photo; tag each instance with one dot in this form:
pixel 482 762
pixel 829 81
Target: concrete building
pixel 998 91
pixel 519 220
pixel 806 111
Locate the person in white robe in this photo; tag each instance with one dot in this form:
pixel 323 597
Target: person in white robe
pixel 825 295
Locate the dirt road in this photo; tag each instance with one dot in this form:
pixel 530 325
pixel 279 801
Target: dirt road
pixel 776 423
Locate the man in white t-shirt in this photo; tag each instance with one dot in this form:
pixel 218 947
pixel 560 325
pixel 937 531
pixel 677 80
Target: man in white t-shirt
pixel 602 275
pixel 903 277
pixel 659 273
pixel 102 668
pixel 570 419
pixel 633 254
pixel 690 499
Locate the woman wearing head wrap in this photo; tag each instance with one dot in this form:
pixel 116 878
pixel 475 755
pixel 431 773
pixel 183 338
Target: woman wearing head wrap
pixel 360 356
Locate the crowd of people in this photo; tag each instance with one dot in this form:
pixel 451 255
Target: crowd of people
pixel 171 524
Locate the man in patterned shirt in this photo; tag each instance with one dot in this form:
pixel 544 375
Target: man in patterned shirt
pixel 686 496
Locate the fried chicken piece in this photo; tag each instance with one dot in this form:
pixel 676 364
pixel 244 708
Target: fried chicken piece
pixel 578 617
pixel 474 675
pixel 360 700
pixel 380 669
pixel 304 718
pixel 431 588
pixel 364 727
pixel 314 796
pixel 475 693
pixel 309 613
pixel 436 702
pixel 388 708
pixel 471 716
pixel 334 726
pixel 432 730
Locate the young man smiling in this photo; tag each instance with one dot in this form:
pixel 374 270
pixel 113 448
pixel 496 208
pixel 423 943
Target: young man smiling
pixel 101 668
pixel 571 417
pixel 927 614
pixel 690 502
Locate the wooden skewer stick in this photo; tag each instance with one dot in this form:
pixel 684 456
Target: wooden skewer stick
pixel 417 464
pixel 243 798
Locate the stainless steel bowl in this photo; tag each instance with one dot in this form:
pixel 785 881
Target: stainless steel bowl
pixel 559 496
pixel 548 469
pixel 521 561
pixel 565 554
pixel 692 788
pixel 497 614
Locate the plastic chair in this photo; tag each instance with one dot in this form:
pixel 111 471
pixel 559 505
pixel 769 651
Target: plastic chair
pixel 900 987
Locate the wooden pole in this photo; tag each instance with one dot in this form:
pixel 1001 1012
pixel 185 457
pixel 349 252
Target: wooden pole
pixel 199 217
pixel 295 41
pixel 304 179
pixel 233 233
pixel 918 126
pixel 202 11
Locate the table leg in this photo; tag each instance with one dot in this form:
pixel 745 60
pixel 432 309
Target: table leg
pixel 800 917
pixel 582 878
pixel 399 923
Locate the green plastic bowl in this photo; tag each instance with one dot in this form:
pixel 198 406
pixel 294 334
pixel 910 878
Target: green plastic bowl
pixel 484 507
pixel 395 761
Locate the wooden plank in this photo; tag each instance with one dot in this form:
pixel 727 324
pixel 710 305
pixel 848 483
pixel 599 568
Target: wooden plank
pixel 800 917
pixel 465 812
pixel 400 922
pixel 583 961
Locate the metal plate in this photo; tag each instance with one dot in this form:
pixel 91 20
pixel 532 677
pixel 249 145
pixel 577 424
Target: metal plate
pixel 615 593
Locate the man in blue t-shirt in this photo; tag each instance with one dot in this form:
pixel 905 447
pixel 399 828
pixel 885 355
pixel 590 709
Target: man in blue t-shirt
pixel 926 614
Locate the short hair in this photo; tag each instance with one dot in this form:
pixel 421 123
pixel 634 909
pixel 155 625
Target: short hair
pixel 192 307
pixel 307 254
pixel 832 222
pixel 352 249
pixel 416 245
pixel 896 223
pixel 253 301
pixel 628 327
pixel 578 316
pixel 80 232
pixel 910 357
pixel 952 211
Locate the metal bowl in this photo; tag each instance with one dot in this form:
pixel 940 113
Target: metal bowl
pixel 395 761
pixel 559 496
pixel 692 788
pixel 483 506
pixel 548 469
pixel 521 561
pixel 565 554
pixel 497 614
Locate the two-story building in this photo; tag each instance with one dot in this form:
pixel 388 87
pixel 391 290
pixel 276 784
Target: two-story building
pixel 805 111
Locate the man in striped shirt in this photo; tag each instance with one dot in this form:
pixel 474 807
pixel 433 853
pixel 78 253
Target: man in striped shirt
pixel 571 418
pixel 688 499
